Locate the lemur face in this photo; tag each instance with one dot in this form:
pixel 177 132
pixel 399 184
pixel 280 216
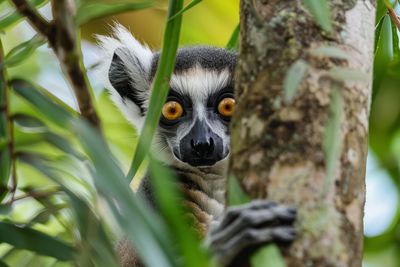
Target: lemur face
pixel 194 127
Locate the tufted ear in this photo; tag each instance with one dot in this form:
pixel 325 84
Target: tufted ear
pixel 126 73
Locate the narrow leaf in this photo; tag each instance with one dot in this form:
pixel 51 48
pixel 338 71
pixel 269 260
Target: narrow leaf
pixel 47 106
pixel 22 51
pixel 168 202
pixel 91 12
pixel 384 52
pixel 233 42
pixel 293 79
pixel 5 167
pixel 186 8
pixel 268 256
pixel 321 12
pixel 149 233
pixel 13 17
pixel 236 194
pixel 29 124
pixel 33 240
pixel 160 85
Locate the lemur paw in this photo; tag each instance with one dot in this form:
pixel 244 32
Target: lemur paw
pixel 250 226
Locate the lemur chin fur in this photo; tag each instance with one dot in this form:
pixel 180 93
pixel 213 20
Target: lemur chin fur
pixel 192 137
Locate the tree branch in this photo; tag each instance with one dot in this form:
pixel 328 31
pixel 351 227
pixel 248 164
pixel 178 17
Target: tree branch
pixel 61 35
pixel 394 17
pixel 34 18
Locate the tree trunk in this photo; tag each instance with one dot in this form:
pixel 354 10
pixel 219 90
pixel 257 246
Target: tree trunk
pixel 278 147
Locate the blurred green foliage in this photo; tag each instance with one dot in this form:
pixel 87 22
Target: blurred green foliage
pixel 70 181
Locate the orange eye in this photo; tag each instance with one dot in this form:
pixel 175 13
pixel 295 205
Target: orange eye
pixel 172 110
pixel 226 107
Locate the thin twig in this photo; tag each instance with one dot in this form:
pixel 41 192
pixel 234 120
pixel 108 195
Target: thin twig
pixel 61 34
pixel 34 17
pixel 394 17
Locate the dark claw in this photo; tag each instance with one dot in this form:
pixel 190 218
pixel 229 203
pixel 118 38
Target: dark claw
pixel 252 225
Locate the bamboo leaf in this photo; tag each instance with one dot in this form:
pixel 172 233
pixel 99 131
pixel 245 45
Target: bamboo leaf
pixel 22 51
pixel 13 17
pixel 29 124
pixel 168 202
pixel 236 194
pixel 33 240
pixel 268 256
pixel 321 12
pixel 160 85
pixel 192 4
pixel 89 12
pixel 149 233
pixel 396 48
pixel 62 143
pixel 233 42
pixel 293 79
pixel 384 52
pixel 97 244
pixel 47 106
pixel 5 167
pixel 330 51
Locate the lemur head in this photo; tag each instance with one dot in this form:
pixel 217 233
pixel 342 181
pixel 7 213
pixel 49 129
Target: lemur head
pixel 194 127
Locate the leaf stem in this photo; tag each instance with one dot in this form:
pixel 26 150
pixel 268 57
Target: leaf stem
pixel 394 17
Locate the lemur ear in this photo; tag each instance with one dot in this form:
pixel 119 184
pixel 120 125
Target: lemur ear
pixel 126 73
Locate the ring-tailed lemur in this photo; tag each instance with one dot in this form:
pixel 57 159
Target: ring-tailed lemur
pixel 193 138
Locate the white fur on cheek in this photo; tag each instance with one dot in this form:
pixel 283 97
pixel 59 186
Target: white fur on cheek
pixel 123 39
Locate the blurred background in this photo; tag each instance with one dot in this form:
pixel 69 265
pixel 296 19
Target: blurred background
pixel 212 23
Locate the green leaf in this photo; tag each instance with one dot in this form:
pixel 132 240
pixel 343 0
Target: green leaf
pixel 233 42
pixel 62 143
pixel 50 108
pixel 22 51
pixel 268 256
pixel 321 12
pixel 91 12
pixel 332 144
pixel 33 240
pixel 29 124
pixel 160 85
pixel 293 79
pixel 384 52
pixel 168 202
pixel 378 29
pixel 192 4
pixel 96 244
pixel 346 74
pixel 330 51
pixel 236 194
pixel 5 209
pixel 149 233
pixel 3 264
pixel 5 167
pixel 13 17
pixel 396 48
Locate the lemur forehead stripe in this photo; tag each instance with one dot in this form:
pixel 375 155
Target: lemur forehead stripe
pixel 212 58
pixel 200 83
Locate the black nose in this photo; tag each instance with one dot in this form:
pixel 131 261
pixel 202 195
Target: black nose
pixel 202 148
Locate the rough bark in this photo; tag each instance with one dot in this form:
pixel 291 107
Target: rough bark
pixel 277 148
